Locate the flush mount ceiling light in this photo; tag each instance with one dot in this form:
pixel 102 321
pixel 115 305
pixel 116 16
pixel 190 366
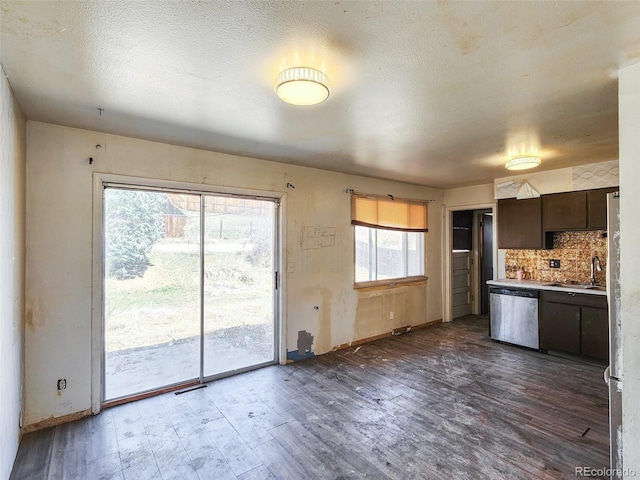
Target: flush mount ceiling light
pixel 522 162
pixel 302 86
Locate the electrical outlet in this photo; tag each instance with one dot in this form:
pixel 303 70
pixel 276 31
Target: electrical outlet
pixel 62 384
pixel 554 263
pixel 391 315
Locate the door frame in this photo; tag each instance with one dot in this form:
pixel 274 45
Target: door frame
pixel 97 274
pixel 478 223
pixel 447 246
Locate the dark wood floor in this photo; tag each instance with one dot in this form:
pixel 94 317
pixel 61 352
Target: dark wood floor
pixel 440 402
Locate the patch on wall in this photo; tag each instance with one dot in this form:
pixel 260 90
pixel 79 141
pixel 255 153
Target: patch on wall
pixel 596 175
pixel 304 344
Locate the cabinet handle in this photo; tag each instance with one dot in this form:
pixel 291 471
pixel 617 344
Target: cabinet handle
pixel 571 293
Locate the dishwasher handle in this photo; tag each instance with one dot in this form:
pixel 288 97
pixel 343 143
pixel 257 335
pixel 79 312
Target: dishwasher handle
pixel 515 292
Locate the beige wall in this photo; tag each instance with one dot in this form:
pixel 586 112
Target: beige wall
pixel 12 258
pixel 59 242
pixel 629 120
pixel 469 196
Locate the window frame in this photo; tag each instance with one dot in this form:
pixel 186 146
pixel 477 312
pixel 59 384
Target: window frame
pixel 373 260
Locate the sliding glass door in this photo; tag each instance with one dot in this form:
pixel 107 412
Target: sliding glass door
pixel 238 284
pixel 188 287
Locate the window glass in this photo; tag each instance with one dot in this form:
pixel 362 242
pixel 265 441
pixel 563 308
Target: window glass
pixel 391 256
pixel 415 254
pixel 387 254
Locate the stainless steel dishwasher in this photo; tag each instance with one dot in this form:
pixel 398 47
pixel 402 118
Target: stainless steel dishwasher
pixel 514 316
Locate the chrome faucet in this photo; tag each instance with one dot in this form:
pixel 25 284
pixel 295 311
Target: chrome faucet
pixel 595 265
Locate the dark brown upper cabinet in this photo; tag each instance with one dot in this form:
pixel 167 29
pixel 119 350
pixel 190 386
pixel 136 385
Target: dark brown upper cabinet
pixel 530 223
pixel 564 211
pixel 520 223
pixel 583 210
pixel 597 207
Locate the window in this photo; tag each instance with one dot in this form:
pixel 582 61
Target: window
pixel 388 254
pixel 389 237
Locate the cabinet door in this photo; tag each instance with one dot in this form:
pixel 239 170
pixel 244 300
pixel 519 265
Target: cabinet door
pixel 519 223
pixel 594 335
pixel 597 208
pixel 564 211
pixel 560 327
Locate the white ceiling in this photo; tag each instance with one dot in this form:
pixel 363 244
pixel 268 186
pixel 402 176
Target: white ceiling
pixel 434 93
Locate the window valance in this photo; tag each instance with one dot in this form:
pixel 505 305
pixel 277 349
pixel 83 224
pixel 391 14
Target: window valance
pixel 389 213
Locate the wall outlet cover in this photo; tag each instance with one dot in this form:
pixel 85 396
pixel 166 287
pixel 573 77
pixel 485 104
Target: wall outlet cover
pixel 554 263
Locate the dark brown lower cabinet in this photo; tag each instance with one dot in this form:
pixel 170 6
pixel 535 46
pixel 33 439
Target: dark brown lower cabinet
pixel 560 329
pixel 594 334
pixel 574 323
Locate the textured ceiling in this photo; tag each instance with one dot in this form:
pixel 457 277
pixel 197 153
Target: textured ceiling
pixel 434 93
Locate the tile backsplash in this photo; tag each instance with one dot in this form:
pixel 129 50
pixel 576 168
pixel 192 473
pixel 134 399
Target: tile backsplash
pixel 573 249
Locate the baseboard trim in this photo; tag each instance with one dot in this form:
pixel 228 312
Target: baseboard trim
pixel 55 421
pixel 362 341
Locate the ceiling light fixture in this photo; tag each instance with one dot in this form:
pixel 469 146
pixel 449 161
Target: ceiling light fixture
pixel 302 86
pixel 522 162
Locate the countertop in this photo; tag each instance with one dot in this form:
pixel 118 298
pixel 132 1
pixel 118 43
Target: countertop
pixel 552 286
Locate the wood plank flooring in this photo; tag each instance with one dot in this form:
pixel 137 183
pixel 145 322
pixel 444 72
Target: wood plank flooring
pixel 440 402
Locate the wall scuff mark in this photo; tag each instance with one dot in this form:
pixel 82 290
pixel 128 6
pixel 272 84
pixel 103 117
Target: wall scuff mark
pixel 318 237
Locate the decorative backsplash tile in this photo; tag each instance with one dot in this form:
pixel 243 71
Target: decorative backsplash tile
pixel 574 250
